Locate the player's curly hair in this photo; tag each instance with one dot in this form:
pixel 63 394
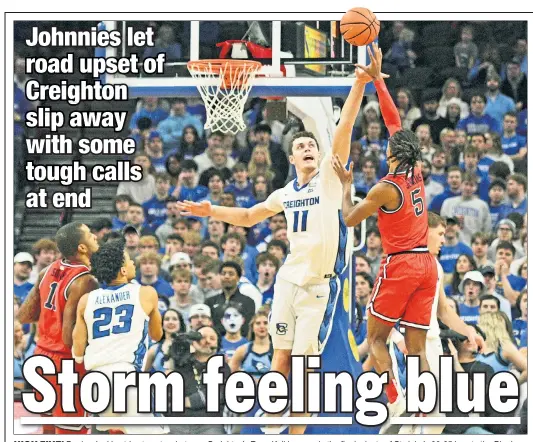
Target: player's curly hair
pixel 107 261
pixel 404 148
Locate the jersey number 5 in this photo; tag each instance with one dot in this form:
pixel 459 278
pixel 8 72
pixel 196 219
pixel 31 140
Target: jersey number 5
pixel 295 226
pixel 103 317
pixel 418 202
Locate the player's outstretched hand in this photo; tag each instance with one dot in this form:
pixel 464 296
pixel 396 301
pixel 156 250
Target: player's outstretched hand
pixel 346 176
pixel 190 208
pixel 476 339
pixel 373 70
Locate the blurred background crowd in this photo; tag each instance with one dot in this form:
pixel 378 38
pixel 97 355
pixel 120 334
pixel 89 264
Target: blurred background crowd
pixel 461 87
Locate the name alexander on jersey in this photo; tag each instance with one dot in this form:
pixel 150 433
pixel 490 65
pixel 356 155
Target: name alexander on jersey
pixel 112 297
pixel 302 203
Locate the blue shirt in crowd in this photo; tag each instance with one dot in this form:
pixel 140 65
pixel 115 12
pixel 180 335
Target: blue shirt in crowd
pixel 449 254
pixel 21 291
pixel 243 197
pixel 195 194
pixel 161 286
pixel 498 106
pixel 512 145
pixel 483 124
pixel 520 332
pixel 156 116
pixel 117 224
pixel 469 314
pixel 155 212
pixel 438 201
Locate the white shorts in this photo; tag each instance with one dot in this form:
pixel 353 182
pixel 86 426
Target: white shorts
pixel 301 317
pixel 131 405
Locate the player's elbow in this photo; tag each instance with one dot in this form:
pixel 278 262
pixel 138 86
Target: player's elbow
pixel 156 334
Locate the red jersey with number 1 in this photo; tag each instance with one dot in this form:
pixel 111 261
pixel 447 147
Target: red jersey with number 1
pixel 54 291
pixel 405 228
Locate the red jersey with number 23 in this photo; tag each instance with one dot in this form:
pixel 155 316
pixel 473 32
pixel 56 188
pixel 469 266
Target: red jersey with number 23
pixel 405 228
pixel 53 290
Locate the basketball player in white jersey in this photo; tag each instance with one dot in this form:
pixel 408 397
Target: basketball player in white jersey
pixel 112 326
pixel 302 308
pixel 440 310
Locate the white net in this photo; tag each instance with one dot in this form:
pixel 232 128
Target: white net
pixel 224 86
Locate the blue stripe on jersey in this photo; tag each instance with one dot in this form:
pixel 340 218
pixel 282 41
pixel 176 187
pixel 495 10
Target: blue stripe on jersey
pixel 340 262
pixel 141 349
pixel 328 314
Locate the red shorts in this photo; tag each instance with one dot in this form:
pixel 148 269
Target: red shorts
pixel 57 410
pixel 405 289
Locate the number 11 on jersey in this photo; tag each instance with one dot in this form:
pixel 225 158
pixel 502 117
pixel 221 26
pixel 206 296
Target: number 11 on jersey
pixel 296 226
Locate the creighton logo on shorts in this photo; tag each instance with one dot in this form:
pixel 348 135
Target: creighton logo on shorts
pixel 281 328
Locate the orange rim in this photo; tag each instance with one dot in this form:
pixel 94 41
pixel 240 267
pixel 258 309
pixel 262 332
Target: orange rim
pixel 216 66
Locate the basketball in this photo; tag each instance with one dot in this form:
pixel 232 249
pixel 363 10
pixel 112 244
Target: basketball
pixel 359 26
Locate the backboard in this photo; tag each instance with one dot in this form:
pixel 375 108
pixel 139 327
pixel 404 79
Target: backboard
pixel 300 58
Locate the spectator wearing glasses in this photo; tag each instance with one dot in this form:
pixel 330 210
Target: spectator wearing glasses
pixel 515 85
pixel 506 231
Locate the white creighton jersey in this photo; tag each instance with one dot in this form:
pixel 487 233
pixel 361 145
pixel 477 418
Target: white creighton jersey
pixel 315 227
pixel 117 327
pixel 434 330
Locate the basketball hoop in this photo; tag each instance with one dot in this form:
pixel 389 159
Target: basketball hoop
pixel 224 86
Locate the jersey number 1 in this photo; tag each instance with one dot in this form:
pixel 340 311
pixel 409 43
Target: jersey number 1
pixel 103 317
pixel 418 203
pixel 49 303
pixel 295 225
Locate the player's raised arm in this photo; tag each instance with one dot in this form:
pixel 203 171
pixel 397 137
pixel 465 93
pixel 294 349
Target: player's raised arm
pixel 380 195
pixel 85 283
pixel 150 303
pixel 386 103
pixel 352 105
pixel 80 335
pixel 237 216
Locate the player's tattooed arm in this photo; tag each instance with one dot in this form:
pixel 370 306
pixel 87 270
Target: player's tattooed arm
pixel 82 285
pixel 30 310
pixel 80 335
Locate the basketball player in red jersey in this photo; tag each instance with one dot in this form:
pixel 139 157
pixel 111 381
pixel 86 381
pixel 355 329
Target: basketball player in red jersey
pixel 53 302
pixel 407 280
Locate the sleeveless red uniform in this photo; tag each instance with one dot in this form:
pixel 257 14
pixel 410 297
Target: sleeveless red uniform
pixel 53 291
pixel 407 280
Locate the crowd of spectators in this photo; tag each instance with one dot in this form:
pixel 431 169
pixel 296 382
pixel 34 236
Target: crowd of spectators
pixel 474 149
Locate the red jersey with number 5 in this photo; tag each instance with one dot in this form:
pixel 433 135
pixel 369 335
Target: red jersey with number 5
pixel 53 290
pixel 405 228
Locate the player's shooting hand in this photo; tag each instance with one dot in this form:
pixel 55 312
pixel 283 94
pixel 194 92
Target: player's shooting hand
pixel 373 70
pixel 346 176
pixel 190 208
